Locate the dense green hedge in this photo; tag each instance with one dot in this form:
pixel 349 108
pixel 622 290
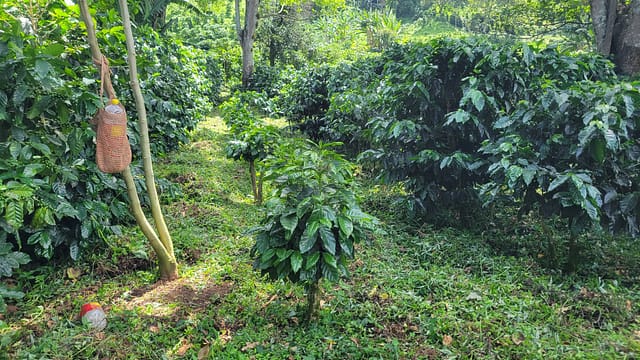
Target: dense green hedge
pixel 468 122
pixel 52 197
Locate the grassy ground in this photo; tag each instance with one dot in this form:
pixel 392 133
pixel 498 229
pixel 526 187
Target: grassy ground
pixel 414 292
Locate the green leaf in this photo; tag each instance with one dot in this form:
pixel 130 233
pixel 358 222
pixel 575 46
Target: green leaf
pixel 267 255
pixel 477 97
pixel 328 239
pixel 597 149
pixel 10 294
pixel 629 203
pixel 32 170
pixel 612 139
pixel 557 182
pixel 3 99
pixel 20 94
pixel 289 221
pixel 312 260
pixel 328 213
pixel 329 260
pixel 283 253
pixel 592 211
pixel 628 105
pixel 43 68
pixel 309 237
pixel 43 216
pixel 346 225
pixel 13 214
pixel 74 250
pixel 528 174
pixel 54 50
pixel 12 261
pixel 503 122
pixel 296 261
pixel 347 247
pixel 460 116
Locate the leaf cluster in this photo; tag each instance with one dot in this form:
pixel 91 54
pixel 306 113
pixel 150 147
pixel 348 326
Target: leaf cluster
pixel 313 219
pixel 467 122
pixel 251 139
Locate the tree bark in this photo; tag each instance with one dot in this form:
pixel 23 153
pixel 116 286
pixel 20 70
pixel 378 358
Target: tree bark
pixel 603 15
pixel 617 31
pixel 626 39
pixel 256 184
pixel 314 292
pixel 246 35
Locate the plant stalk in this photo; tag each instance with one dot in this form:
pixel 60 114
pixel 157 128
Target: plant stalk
pixel 313 301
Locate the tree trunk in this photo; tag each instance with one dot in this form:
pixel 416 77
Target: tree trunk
pixel 313 301
pixel 167 263
pixel 168 268
pixel 617 32
pixel 626 39
pixel 246 35
pixel 603 15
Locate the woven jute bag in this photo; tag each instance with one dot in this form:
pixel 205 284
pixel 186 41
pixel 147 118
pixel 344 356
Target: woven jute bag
pixel 113 152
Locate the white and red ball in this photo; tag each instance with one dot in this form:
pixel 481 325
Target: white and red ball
pixel 93 316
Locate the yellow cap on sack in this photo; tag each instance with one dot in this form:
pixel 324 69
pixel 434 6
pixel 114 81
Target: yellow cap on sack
pixel 115 101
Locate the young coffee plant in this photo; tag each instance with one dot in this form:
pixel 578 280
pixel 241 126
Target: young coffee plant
pixel 252 140
pixel 312 221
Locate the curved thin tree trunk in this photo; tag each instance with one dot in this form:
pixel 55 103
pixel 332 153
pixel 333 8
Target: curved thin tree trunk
pixel 156 211
pixel 166 259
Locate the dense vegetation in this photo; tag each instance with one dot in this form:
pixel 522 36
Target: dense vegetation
pixel 465 123
pixel 53 198
pixel 487 140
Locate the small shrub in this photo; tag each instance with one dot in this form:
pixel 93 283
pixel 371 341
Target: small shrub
pixel 313 219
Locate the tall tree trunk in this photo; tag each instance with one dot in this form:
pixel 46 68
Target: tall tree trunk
pixel 617 31
pixel 626 39
pixel 246 34
pixel 603 15
pixel 166 260
pixel 168 268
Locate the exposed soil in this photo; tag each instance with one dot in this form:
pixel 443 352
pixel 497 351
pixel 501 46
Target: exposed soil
pixel 179 297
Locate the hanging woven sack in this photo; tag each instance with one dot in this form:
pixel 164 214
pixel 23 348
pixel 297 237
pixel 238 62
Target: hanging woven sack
pixel 113 152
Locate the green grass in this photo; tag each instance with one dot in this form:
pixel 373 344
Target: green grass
pixel 414 292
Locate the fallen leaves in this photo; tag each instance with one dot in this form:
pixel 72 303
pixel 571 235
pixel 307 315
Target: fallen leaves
pixel 447 340
pixel 204 352
pixel 73 273
pixel 517 338
pixel 250 346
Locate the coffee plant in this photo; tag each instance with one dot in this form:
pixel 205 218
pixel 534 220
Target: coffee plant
pixel 251 139
pixel 463 123
pixel 313 219
pixel 53 199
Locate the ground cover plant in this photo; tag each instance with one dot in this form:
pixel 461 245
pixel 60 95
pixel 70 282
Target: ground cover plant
pixel 414 292
pixel 503 173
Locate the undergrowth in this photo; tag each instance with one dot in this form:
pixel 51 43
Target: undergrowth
pixel 415 291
